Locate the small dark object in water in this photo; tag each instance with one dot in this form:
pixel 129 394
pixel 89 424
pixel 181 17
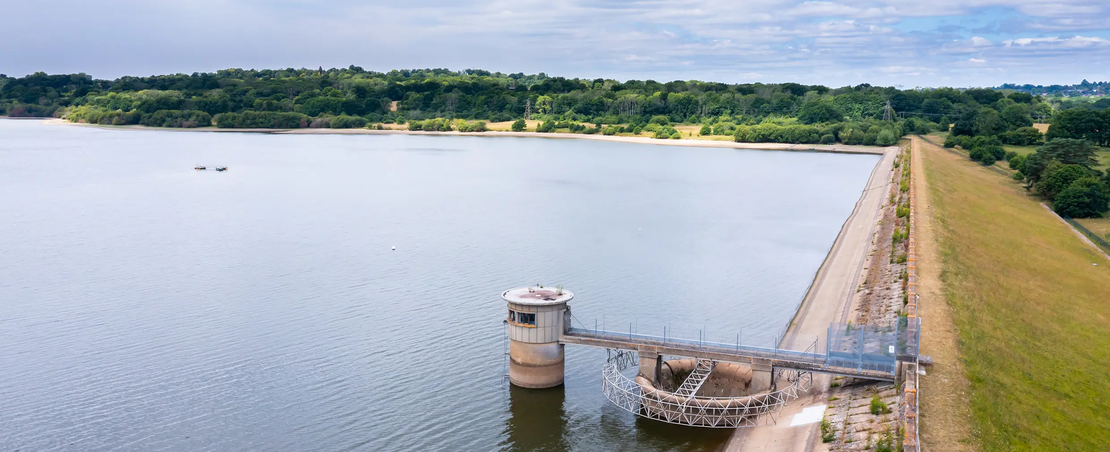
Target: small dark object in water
pixel 200 167
pixel 221 168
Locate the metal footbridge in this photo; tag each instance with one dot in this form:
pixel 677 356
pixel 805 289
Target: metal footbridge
pixel 859 352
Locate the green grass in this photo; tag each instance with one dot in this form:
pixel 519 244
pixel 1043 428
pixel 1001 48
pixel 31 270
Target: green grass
pixel 1020 150
pixel 1031 312
pixel 1100 226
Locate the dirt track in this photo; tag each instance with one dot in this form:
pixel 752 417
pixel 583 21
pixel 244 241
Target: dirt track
pixel 944 391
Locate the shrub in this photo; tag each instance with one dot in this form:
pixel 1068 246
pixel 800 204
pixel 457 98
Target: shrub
pixel 665 132
pixel 828 139
pixel 519 125
pixel 1083 198
pixel 877 405
pixel 660 119
pixel 985 150
pixel 724 128
pixel 705 130
pixel 1057 176
pixel 886 138
pixel 610 130
pixel 1017 163
pixel 348 122
pixel 170 118
pixel 262 119
pixel 546 127
pixel 676 136
pixel 479 126
pixel 1024 136
pixel 828 433
pixel 886 443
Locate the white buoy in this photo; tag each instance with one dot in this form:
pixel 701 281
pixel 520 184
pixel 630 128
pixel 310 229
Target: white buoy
pixel 394 248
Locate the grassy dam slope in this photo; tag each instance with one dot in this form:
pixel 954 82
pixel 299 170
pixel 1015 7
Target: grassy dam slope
pixel 1031 311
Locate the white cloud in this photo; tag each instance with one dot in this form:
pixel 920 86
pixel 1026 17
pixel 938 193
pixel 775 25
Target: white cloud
pixel 1077 42
pixel 850 40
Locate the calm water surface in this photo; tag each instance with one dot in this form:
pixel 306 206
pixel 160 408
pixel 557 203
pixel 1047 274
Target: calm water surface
pixel 148 306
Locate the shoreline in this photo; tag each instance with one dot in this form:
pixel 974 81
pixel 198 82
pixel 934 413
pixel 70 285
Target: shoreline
pixel 828 300
pixel 824 148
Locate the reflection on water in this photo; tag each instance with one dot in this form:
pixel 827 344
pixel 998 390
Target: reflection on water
pixel 149 306
pixel 537 420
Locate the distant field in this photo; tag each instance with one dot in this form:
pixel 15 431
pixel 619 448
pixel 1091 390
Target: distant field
pixel 1030 310
pixel 1100 226
pixel 1021 150
pixel 505 126
pixel 1043 127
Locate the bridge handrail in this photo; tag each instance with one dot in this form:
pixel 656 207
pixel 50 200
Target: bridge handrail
pixel 733 349
pixel 863 365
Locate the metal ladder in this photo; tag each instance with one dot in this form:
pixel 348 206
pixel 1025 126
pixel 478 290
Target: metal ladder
pixel 693 382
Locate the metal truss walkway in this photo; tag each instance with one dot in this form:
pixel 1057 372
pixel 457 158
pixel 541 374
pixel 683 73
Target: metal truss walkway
pixel 852 352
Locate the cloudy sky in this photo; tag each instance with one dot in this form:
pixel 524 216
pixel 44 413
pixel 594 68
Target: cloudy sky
pixel 905 42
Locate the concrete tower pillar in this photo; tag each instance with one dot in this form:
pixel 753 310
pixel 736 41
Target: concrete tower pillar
pixel 535 320
pixel 650 365
pixel 763 376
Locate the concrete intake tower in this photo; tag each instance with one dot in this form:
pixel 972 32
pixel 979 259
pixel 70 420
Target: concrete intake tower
pixel 536 318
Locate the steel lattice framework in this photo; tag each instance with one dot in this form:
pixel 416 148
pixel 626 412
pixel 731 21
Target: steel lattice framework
pixel 713 412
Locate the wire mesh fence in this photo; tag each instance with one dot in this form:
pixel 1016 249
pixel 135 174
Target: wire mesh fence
pixel 870 347
pixel 1101 242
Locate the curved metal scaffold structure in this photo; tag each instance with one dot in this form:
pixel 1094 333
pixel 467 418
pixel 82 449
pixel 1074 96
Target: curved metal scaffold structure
pixel 713 412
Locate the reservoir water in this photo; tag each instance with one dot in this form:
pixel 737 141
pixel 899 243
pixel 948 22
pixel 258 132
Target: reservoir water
pixel 148 306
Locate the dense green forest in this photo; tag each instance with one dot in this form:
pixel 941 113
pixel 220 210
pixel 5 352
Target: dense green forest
pixel 440 99
pixel 979 120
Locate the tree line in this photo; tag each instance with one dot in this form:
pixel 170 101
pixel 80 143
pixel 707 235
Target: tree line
pixel 1062 170
pixel 291 98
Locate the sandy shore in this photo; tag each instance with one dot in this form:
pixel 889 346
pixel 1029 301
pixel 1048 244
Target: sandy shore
pixel 828 300
pixel 841 149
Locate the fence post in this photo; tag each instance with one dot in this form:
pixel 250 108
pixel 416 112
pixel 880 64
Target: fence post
pixel 828 343
pixel 860 365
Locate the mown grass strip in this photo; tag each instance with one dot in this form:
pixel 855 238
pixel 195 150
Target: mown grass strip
pixel 1032 312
